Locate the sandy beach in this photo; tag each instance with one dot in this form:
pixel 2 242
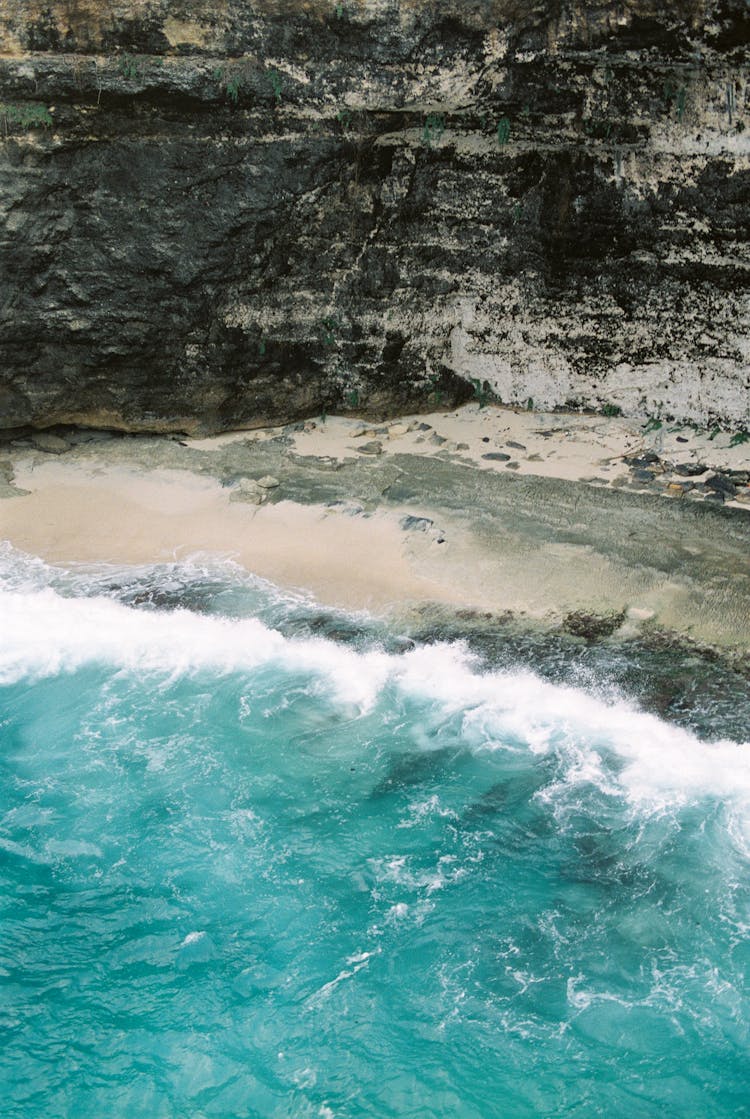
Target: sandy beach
pixel 541 516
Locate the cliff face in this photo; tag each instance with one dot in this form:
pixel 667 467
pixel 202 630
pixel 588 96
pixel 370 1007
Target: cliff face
pixel 224 213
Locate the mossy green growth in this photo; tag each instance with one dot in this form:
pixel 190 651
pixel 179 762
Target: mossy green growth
pixel 276 82
pixel 434 127
pixel 132 67
pixel 25 114
pixel 503 131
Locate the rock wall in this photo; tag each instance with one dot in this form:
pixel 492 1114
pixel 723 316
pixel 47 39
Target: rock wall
pixel 217 213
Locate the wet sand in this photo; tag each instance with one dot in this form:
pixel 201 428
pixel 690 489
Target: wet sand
pixel 389 518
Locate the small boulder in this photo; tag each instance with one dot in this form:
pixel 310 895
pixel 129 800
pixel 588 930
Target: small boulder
pixel 51 444
pixel 416 524
pixel 719 483
pixel 249 492
pixel 496 456
pixel 690 469
pixel 374 447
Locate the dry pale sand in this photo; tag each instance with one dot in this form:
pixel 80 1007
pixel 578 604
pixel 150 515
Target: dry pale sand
pixel 570 446
pixel 542 533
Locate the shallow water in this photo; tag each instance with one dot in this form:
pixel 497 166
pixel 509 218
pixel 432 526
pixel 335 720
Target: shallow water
pixel 251 871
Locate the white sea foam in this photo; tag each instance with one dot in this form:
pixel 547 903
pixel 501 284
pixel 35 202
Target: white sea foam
pixel 611 745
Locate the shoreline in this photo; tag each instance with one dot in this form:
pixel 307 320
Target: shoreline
pixel 561 520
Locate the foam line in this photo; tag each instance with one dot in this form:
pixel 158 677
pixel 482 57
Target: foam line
pixel 45 634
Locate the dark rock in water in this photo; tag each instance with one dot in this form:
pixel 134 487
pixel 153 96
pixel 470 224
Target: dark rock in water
pixel 416 524
pixel 721 484
pixel 408 770
pixel 739 477
pixel 643 475
pixel 592 626
pixel 194 598
pixel 690 469
pixel 200 231
pixel 496 456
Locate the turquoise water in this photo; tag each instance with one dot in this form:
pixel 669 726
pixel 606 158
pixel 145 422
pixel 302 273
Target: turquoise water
pixel 247 871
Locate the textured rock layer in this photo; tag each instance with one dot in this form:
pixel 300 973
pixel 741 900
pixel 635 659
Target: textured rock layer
pixel 225 213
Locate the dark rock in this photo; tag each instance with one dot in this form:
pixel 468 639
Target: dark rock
pixel 496 456
pixel 516 446
pixel 690 469
pixel 592 626
pixel 682 439
pixel 721 484
pixel 371 448
pixel 485 438
pixel 197 234
pixel 648 458
pixel 416 524
pixel 642 475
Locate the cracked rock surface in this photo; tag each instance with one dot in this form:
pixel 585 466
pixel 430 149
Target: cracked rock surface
pixel 223 214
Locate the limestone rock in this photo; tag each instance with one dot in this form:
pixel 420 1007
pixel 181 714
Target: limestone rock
pixel 249 214
pixel 51 444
